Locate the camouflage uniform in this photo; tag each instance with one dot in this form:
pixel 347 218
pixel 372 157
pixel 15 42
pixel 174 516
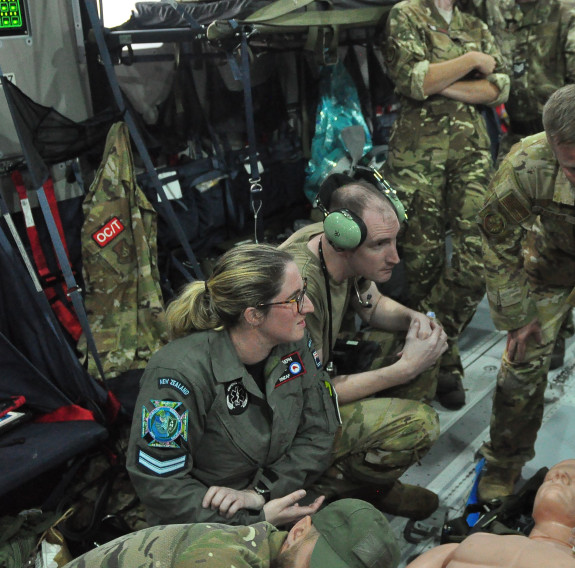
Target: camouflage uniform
pixel 119 255
pixel 181 546
pixel 439 161
pixel 381 437
pixel 529 255
pixel 202 420
pixel 537 41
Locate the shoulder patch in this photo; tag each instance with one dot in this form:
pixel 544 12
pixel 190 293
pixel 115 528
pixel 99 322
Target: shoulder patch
pixel 494 223
pixel 163 425
pixel 169 382
pixel 516 210
pixel 108 232
pixel 161 467
pixel 295 368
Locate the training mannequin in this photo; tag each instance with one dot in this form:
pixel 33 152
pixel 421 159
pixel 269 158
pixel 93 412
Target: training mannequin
pixel 548 545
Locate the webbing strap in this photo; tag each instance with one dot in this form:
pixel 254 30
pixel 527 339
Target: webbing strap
pixel 74 291
pixel 166 208
pixel 67 317
pixel 256 189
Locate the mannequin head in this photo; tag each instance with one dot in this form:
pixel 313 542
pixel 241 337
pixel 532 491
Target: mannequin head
pixel 555 499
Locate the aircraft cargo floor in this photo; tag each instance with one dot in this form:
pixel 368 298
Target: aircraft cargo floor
pixel 449 468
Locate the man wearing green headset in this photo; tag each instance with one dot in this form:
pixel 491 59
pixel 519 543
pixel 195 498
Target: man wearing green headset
pixel 343 259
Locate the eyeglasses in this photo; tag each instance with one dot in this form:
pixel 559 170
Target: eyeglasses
pixel 298 300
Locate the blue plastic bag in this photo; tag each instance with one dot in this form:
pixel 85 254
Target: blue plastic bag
pixel 338 109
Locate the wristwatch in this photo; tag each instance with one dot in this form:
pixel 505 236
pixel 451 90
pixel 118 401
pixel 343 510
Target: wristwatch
pixel 262 490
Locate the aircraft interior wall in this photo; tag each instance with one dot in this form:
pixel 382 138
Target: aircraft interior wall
pixel 48 65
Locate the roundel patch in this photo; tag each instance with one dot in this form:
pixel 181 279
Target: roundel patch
pixel 494 223
pixel 237 397
pixel 295 368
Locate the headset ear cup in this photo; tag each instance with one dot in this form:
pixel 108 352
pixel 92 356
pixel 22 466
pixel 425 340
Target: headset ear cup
pixel 344 229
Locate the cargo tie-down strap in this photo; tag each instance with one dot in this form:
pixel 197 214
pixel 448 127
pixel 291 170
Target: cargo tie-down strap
pixel 49 280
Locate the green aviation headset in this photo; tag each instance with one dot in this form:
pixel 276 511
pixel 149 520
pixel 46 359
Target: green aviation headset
pixel 343 228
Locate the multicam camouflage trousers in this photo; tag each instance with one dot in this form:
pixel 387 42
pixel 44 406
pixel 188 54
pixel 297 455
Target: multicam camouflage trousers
pixel 519 396
pixel 379 440
pixel 441 172
pixel 421 388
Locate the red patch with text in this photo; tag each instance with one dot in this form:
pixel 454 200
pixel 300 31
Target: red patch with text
pixel 108 232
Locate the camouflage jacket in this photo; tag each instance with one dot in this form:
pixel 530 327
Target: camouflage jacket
pixel 184 546
pixel 202 420
pixel 417 36
pixel 119 254
pixel 528 231
pixel 537 41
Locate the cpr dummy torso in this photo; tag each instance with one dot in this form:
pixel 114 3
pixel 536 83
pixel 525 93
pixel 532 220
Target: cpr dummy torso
pixel 509 551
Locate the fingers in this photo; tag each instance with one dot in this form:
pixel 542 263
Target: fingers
pixel 207 500
pixel 413 328
pixel 227 501
pixel 292 498
pixel 511 348
pixel 314 507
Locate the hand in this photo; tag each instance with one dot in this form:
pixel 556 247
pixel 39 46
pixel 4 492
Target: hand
pixel 421 350
pixel 517 340
pixel 229 501
pixel 426 324
pixel 483 63
pixel 287 510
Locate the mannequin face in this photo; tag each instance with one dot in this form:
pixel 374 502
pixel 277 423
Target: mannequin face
pixel 555 499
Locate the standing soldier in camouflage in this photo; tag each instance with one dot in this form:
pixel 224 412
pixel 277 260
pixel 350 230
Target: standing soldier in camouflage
pixel 346 534
pixel 444 64
pixel 537 41
pixel 529 255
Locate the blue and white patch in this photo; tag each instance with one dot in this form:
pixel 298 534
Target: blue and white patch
pixel 309 342
pixel 164 424
pixel 169 382
pixel 161 467
pixel 237 398
pixel 294 368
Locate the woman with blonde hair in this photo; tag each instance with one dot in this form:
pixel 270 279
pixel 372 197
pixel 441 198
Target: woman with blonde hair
pixel 235 412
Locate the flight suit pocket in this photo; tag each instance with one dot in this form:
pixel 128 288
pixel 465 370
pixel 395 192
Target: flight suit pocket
pixel 330 405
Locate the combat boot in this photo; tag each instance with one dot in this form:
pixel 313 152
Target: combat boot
pixel 404 500
pixel 450 392
pixel 497 482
